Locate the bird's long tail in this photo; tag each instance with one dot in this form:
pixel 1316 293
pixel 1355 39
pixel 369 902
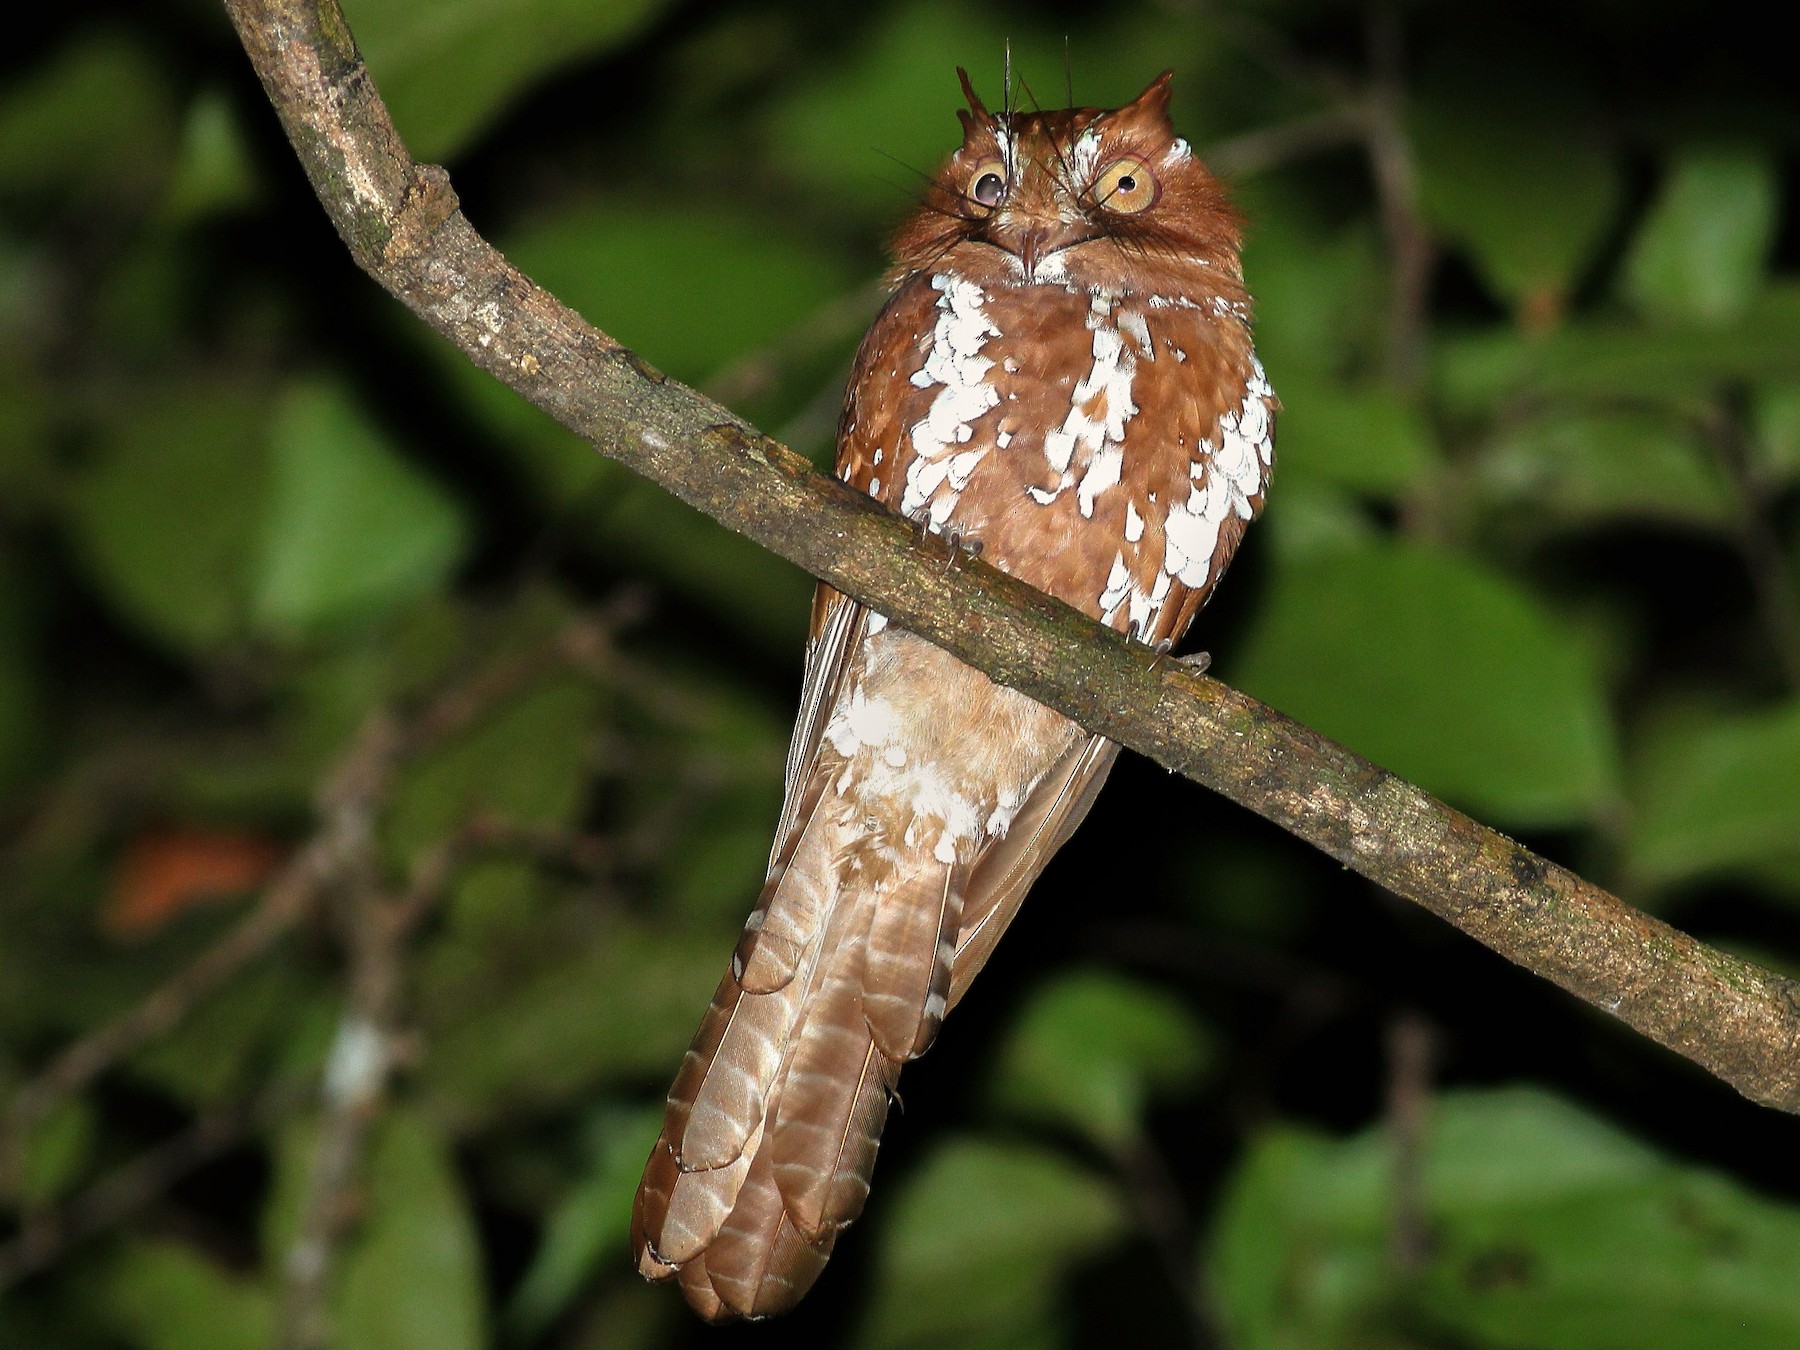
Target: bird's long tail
pixel 774 1119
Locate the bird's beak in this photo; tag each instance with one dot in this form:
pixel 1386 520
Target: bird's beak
pixel 1032 244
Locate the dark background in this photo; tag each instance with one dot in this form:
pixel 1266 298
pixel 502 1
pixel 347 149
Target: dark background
pixel 1526 284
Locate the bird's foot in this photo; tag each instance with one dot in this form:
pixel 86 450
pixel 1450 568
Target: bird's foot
pixel 961 547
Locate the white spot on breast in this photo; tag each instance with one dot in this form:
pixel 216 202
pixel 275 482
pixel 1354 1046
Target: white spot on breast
pixel 1190 541
pixel 1099 407
pixel 1138 329
pixel 1103 472
pixel 923 479
pixel 1134 523
pixel 961 466
pixel 1225 478
pixel 1118 586
pixel 1003 440
pixel 1144 608
pixel 874 487
pixel 953 361
pixel 1246 441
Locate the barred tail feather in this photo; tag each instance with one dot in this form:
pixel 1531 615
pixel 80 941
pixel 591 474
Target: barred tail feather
pixel 775 1120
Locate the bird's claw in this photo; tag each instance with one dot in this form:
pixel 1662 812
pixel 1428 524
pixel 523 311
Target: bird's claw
pixel 960 546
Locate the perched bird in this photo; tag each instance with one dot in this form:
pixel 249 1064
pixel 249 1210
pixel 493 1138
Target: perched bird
pixel 1064 376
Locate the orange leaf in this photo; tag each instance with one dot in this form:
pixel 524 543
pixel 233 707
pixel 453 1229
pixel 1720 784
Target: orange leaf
pixel 169 869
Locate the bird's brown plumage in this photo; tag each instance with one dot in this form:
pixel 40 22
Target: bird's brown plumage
pixel 1064 374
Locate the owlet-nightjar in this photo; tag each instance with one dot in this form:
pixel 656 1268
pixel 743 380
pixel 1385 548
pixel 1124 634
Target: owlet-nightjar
pixel 1064 375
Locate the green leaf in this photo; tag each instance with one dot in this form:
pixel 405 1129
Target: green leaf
pixel 409 1277
pixel 643 531
pixel 1602 359
pixel 1701 254
pixel 691 290
pixel 1316 521
pixel 688 288
pixel 1716 794
pixel 166 1296
pixel 536 1024
pixel 29 472
pixel 215 1053
pixel 1441 671
pixel 412 1280
pixel 56 1150
pixel 352 528
pixel 215 170
pixel 525 764
pixel 975 1247
pixel 1090 1049
pixel 1551 1231
pixel 1364 439
pixel 450 68
pixel 1775 447
pixel 95 121
pixel 1319 289
pixel 1511 177
pixel 592 1224
pixel 1579 467
pixel 167 514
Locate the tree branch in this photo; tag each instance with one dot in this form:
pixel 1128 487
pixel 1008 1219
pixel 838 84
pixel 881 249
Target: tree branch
pixel 403 226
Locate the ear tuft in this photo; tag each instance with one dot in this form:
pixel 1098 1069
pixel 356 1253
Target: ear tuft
pixel 1154 101
pixel 976 106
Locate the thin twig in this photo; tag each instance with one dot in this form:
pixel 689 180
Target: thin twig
pixel 1152 1192
pixel 345 807
pixel 1266 148
pixel 369 1046
pixel 453 710
pixel 1409 1045
pixel 1397 193
pixel 1764 558
pixel 402 224
pixel 45 1237
pixel 348 806
pixel 835 323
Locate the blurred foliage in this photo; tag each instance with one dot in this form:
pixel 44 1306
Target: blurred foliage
pixel 1551 574
pixel 1547 1227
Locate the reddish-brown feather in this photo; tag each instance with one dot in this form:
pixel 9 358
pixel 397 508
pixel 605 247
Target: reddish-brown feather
pixel 1075 389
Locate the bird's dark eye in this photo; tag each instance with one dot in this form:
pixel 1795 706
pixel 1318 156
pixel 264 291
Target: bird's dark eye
pixel 989 186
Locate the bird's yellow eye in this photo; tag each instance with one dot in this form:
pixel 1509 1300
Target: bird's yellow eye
pixel 1126 186
pixel 987 185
